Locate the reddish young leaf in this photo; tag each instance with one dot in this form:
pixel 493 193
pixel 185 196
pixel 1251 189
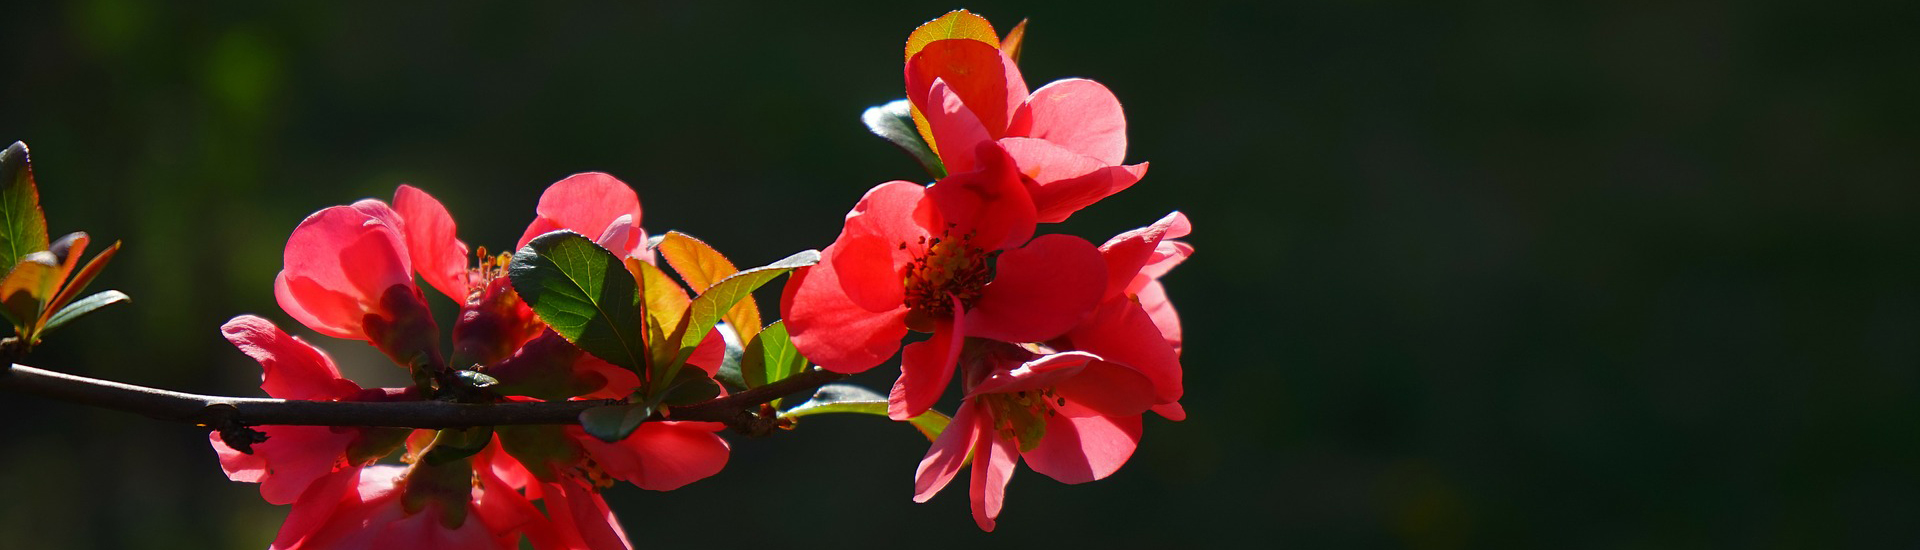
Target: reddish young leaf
pixel 80 280
pixel 1015 38
pixel 701 266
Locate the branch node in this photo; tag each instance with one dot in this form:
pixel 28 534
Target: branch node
pixel 222 417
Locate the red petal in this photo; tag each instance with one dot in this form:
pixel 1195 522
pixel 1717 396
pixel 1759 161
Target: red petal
pixel 1075 113
pixel 288 463
pixel 1108 389
pixel 1039 291
pixel 662 456
pixel 290 368
pixel 1153 300
pixel 993 462
pixel 990 203
pixel 585 203
pixel 338 256
pixel 1079 449
pixel 990 84
pixel 440 258
pixel 1171 411
pixel 926 368
pixel 581 516
pixel 1063 182
pixel 958 131
pixel 949 452
pixel 1120 332
pixel 831 329
pixel 1128 252
pixel 1042 372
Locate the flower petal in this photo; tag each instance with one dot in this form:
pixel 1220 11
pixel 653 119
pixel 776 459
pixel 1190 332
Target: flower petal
pixel 663 455
pixel 1128 253
pixel 987 81
pixel 926 369
pixel 831 329
pixel 1153 300
pixel 989 203
pixel 1108 389
pixel 339 256
pixel 993 462
pixel 1039 291
pixel 439 257
pixel 1063 182
pixel 585 203
pixel 948 453
pixel 289 461
pixel 290 367
pixel 1079 449
pixel 1120 332
pixel 581 516
pixel 955 127
pixel 1041 372
pixel 1075 113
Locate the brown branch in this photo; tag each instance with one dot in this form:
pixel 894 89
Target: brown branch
pixel 738 411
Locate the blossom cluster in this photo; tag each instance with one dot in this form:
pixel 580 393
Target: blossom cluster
pixel 350 273
pixel 1060 346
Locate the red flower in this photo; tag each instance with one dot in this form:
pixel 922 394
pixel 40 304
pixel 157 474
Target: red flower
pixel 953 259
pixel 1135 324
pixel 292 458
pixel 349 273
pixel 596 205
pixel 415 507
pixel 1068 138
pixel 1071 415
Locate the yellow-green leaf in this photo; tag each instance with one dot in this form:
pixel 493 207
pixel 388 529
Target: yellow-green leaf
pixel 701 266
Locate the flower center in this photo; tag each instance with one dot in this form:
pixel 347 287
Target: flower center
pixel 1022 416
pixel 948 268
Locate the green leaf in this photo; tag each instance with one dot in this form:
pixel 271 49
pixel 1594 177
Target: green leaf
pixel 454 444
pixel 23 226
pixel 84 306
pixel 691 386
pixel 770 357
pixel 709 306
pixel 612 423
pixel 584 293
pixel 729 375
pixel 848 398
pixel 894 123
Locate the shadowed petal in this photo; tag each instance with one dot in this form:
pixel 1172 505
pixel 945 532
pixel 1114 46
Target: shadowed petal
pixel 1063 182
pixel 290 368
pixel 990 202
pixel 949 452
pixel 662 455
pixel 1040 291
pixel 993 462
pixel 832 330
pixel 926 368
pixel 1119 331
pixel 437 254
pixel 586 203
pixel 1079 449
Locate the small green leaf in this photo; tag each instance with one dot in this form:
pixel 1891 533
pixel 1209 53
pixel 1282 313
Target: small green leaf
pixel 893 122
pixel 848 398
pixel 729 375
pixel 613 423
pixel 23 226
pixel 709 306
pixel 691 386
pixel 84 306
pixel 771 357
pixel 584 293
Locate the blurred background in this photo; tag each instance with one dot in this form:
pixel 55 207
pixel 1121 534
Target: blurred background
pixel 1634 274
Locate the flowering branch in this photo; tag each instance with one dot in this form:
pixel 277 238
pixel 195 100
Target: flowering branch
pixel 220 412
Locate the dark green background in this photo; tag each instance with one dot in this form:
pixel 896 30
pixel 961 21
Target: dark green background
pixel 1634 274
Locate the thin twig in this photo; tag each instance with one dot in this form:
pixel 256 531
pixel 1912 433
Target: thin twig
pixel 215 411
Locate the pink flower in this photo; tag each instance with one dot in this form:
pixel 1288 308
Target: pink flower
pixel 349 274
pixel 417 507
pixel 293 458
pixel 1135 324
pixel 566 468
pixel 596 205
pixel 1068 138
pixel 953 259
pixel 1071 415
